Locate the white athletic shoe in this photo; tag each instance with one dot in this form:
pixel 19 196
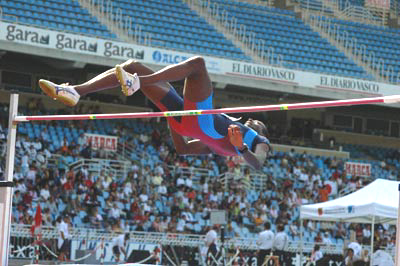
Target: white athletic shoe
pixel 129 83
pixel 63 93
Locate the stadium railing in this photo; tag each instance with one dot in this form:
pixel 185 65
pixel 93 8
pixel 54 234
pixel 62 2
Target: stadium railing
pixel 114 167
pixel 196 172
pixel 257 182
pixel 174 239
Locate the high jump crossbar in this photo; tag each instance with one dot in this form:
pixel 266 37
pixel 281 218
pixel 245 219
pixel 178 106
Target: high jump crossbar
pixel 262 108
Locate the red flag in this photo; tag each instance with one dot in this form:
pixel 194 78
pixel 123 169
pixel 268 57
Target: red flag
pixel 37 222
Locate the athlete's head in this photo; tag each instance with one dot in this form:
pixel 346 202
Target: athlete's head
pixel 258 126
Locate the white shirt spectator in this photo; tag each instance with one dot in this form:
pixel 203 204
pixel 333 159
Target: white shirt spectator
pixel 45 135
pixel 121 195
pixel 62 227
pixel 205 188
pixel 310 226
pixel 326 240
pixel 357 249
pixel 281 241
pixel 211 237
pixel 180 182
pixel 25 161
pixel 296 171
pixel 266 239
pixel 189 216
pixel 366 233
pixel 47 153
pixel 135 168
pixel 63 180
pixel 37 145
pixel 2 135
pixel 294 230
pixel 213 197
pixel 242 205
pixel 118 241
pixel 143 197
pixel 317 255
pixel 21 187
pixel 31 175
pixel 146 207
pixel 105 183
pixel 81 140
pixel 128 189
pixel 26 144
pixel 162 190
pixel 273 212
pixel 32 153
pixel 185 201
pixel 206 211
pixel 303 177
pixel 220 196
pixel 45 193
pixel 189 182
pixel 18 146
pixel 17 176
pixel 316 177
pixel 180 227
pixel 159 170
pixel 114 212
pixel 85 172
pixel 144 138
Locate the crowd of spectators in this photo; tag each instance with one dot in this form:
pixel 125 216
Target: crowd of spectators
pixel 156 199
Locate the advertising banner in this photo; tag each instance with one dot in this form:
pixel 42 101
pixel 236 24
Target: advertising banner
pixel 382 4
pixel 358 169
pixel 107 143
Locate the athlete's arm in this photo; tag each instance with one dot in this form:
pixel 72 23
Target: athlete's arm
pixel 254 159
pixel 188 147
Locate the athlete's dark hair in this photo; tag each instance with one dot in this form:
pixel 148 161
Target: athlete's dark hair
pixel 262 130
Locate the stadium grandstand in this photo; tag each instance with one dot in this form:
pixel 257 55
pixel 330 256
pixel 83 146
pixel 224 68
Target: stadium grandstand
pixel 118 176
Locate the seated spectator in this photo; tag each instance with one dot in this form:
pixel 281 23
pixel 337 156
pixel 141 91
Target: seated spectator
pixel 96 219
pixel 180 182
pixel 44 136
pixel 45 193
pixel 326 240
pixel 65 145
pixel 318 238
pixel 294 229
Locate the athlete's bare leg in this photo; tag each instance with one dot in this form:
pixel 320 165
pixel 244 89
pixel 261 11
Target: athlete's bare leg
pixel 197 82
pixel 108 80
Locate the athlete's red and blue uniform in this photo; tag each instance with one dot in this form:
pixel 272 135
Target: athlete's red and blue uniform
pixel 211 130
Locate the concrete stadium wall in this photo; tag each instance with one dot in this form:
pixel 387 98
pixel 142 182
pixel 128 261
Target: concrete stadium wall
pixel 313 151
pixel 361 139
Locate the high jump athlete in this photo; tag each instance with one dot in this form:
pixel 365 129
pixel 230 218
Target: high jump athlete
pixel 210 133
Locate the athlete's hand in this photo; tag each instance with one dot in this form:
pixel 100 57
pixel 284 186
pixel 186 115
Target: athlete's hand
pixel 235 136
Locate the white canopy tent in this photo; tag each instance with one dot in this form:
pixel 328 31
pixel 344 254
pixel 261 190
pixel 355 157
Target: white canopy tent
pixel 375 203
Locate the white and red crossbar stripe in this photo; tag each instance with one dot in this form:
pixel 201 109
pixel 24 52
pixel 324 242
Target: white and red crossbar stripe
pixel 262 108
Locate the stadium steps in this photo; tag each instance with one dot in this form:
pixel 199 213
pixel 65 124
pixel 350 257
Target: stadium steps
pixel 217 21
pixel 381 41
pixel 108 19
pixel 53 14
pixel 167 24
pixel 310 21
pixel 286 35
